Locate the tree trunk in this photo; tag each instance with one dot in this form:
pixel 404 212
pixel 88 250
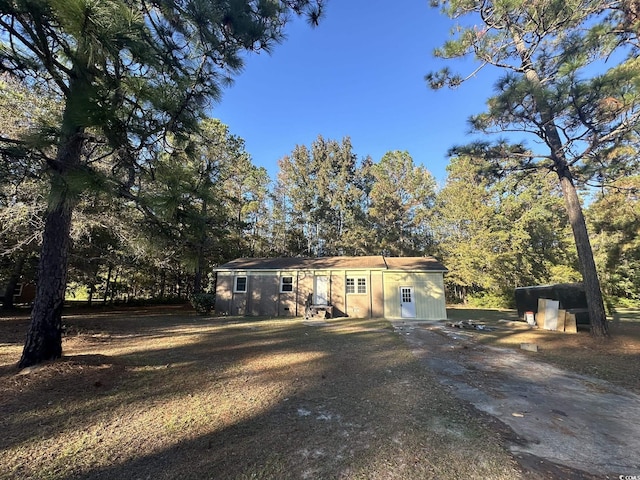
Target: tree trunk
pixel 107 285
pixel 200 261
pixel 7 303
pixel 197 277
pixel 92 289
pixel 44 339
pixel 552 136
pixel 597 315
pixel 163 284
pixel 114 287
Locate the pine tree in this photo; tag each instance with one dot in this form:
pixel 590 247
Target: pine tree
pixel 127 74
pixel 550 51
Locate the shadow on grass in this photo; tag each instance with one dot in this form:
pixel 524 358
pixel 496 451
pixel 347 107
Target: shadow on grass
pixel 354 403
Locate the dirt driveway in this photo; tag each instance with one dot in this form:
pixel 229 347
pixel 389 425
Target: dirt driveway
pixel 551 415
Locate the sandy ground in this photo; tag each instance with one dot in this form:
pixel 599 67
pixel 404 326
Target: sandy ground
pixel 568 420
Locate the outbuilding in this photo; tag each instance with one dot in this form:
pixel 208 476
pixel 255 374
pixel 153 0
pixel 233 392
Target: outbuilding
pixel 361 287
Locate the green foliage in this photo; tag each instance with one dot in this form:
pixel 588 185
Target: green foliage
pixel 203 302
pixel 495 232
pixel 556 90
pixel 328 203
pixel 161 195
pixel 401 197
pixel 614 217
pixel 198 201
pixel 491 300
pixel 319 200
pixel 554 81
pixel 132 77
pixel 624 302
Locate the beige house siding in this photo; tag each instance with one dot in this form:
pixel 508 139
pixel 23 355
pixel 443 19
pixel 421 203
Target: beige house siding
pixel 337 293
pixel 285 302
pixel 377 294
pixel 305 288
pixel 364 305
pixel 263 291
pixel 428 291
pixel 287 305
pixel 381 299
pixel 224 289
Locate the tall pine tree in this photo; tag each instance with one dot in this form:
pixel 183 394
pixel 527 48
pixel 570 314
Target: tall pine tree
pixel 550 50
pixel 127 73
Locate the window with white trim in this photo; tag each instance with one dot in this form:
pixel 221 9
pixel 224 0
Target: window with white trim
pixel 240 284
pixel 286 284
pixel 356 285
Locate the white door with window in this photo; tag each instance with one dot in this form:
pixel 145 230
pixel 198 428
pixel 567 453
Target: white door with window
pixel 407 303
pixel 321 290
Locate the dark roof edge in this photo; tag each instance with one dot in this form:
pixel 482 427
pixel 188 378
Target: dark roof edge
pixel 372 262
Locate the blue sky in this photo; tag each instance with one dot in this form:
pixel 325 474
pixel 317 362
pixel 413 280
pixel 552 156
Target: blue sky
pixel 360 73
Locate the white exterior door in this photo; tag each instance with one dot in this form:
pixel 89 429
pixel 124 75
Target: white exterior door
pixel 321 290
pixel 407 303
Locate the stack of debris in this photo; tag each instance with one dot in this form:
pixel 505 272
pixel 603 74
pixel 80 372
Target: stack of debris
pixel 470 325
pixel 550 317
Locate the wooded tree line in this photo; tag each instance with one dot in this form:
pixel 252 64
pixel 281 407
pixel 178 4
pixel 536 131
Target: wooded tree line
pixel 114 177
pixel 206 203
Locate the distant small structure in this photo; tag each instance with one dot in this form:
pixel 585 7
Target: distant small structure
pixel 24 292
pixel 571 297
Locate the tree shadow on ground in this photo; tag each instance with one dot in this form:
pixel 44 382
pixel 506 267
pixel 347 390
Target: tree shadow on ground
pixel 245 400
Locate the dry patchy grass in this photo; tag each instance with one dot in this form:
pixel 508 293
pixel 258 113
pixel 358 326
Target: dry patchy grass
pixel 616 359
pixel 162 393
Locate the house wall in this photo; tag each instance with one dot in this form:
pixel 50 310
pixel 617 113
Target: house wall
pixel 287 302
pixel 305 288
pixel 239 299
pixel 358 305
pixel 428 291
pixel 263 291
pixel 224 289
pixel 377 294
pixel 337 293
pixel 263 296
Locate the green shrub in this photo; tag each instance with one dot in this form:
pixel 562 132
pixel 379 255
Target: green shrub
pixel 203 302
pixel 490 300
pixel 621 302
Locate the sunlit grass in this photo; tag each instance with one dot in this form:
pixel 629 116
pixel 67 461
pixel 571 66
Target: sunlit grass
pixel 169 396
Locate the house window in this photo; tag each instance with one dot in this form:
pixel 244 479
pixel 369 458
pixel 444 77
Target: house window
pixel 356 285
pixel 240 285
pixel 362 285
pixel 286 284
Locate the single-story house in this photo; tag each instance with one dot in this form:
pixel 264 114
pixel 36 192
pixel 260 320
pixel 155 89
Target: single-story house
pixel 363 287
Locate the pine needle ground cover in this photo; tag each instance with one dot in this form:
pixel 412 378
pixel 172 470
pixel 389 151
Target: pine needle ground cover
pixel 164 394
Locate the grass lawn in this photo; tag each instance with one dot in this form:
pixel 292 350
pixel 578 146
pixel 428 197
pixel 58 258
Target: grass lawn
pixel 161 393
pixel 616 359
